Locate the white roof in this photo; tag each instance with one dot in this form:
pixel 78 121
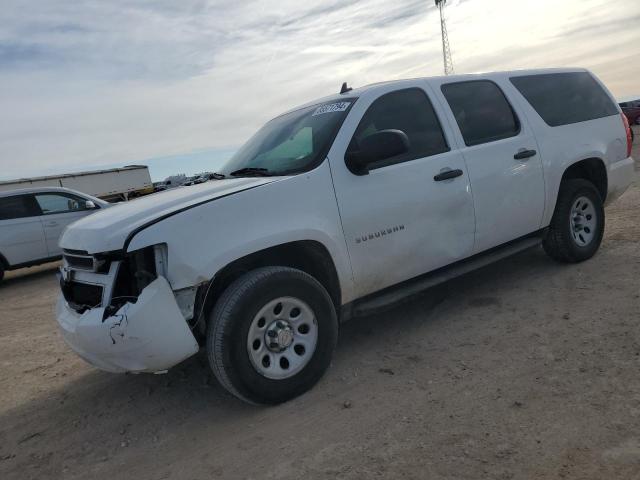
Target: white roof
pixel 367 89
pixel 26 191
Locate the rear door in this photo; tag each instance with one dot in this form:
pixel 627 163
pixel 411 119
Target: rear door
pixel 502 157
pixel 58 211
pixel 402 219
pixel 21 232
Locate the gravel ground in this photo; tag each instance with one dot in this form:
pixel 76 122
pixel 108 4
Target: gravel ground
pixel 526 369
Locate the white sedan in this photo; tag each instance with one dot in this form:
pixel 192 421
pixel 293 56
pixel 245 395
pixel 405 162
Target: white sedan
pixel 32 220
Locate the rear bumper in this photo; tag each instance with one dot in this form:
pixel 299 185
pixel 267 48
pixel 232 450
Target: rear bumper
pixel 150 335
pixel 620 175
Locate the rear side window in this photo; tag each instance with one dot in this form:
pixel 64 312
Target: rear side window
pixel 410 111
pixel 17 206
pixel 564 98
pixel 482 111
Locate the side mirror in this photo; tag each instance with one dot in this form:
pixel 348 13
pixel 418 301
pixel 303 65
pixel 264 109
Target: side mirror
pixel 375 147
pixel 89 205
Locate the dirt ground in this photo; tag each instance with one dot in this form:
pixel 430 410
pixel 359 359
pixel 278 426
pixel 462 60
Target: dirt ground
pixel 526 369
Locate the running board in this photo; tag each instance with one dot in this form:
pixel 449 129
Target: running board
pixel 389 296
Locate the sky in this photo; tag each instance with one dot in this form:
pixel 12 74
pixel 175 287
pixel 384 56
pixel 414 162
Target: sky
pixel 180 85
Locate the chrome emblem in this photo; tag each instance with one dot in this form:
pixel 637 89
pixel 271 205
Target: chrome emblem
pixel 285 338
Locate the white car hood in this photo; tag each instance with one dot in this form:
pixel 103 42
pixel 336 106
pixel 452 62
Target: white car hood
pixel 108 229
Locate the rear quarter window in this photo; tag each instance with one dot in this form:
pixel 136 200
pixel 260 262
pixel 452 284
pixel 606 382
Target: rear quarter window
pixel 565 98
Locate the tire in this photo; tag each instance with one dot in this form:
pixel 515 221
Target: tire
pixel 1 271
pixel 247 314
pixel 577 226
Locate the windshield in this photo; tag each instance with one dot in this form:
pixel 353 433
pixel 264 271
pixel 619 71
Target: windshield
pixel 291 143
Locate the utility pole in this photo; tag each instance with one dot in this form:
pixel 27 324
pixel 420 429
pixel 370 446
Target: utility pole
pixel 446 49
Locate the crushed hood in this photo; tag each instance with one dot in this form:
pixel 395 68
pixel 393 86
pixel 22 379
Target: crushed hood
pixel 108 229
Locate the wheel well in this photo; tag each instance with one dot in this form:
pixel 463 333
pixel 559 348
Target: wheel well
pixel 3 262
pixel 591 169
pixel 309 256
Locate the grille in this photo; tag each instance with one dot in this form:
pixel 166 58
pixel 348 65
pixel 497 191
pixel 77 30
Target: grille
pixel 81 296
pixel 83 263
pixel 75 252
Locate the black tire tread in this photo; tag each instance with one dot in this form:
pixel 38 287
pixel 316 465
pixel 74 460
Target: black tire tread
pixel 221 316
pixel 556 244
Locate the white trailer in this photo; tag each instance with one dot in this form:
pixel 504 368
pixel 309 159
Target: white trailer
pixel 114 184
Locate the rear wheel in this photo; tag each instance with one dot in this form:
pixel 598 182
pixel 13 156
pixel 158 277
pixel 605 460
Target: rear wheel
pixel 577 226
pixel 271 335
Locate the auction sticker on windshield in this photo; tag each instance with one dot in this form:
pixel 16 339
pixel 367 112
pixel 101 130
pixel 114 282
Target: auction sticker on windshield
pixel 331 108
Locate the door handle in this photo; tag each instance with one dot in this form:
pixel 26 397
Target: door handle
pixel 524 154
pixel 449 174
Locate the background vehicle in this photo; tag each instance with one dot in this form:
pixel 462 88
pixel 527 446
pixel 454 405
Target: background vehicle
pixel 338 208
pixel 174 181
pixel 159 187
pixel 32 220
pixel 116 184
pixel 632 111
pixel 201 179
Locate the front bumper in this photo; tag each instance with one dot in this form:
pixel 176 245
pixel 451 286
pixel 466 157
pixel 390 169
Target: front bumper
pixel 150 335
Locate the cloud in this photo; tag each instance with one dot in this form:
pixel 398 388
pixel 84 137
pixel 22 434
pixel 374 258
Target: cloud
pixel 98 83
pixel 13 55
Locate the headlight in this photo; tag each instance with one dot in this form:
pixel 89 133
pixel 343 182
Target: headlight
pixel 138 269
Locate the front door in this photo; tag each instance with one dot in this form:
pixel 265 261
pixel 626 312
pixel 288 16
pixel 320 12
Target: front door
pixel 502 158
pixel 58 211
pixel 403 218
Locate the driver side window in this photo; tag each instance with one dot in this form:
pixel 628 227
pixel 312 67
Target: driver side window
pixel 407 110
pixel 51 203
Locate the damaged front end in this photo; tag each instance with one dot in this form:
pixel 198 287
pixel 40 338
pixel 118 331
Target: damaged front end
pixel 118 312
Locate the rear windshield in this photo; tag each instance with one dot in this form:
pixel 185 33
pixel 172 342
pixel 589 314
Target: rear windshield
pixel 564 98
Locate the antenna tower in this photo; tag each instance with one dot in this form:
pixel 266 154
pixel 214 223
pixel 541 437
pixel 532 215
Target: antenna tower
pixel 446 49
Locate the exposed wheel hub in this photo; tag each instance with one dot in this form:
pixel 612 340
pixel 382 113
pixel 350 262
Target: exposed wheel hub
pixel 279 336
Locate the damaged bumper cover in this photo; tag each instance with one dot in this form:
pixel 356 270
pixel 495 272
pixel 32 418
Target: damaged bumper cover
pixel 150 335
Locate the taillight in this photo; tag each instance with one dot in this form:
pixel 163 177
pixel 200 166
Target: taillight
pixel 625 121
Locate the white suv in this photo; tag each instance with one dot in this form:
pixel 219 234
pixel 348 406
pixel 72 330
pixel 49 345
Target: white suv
pixel 32 220
pixel 335 209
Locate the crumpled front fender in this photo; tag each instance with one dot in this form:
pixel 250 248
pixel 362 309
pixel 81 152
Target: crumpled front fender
pixel 150 335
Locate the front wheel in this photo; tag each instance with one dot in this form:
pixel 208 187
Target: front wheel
pixel 577 225
pixel 271 335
